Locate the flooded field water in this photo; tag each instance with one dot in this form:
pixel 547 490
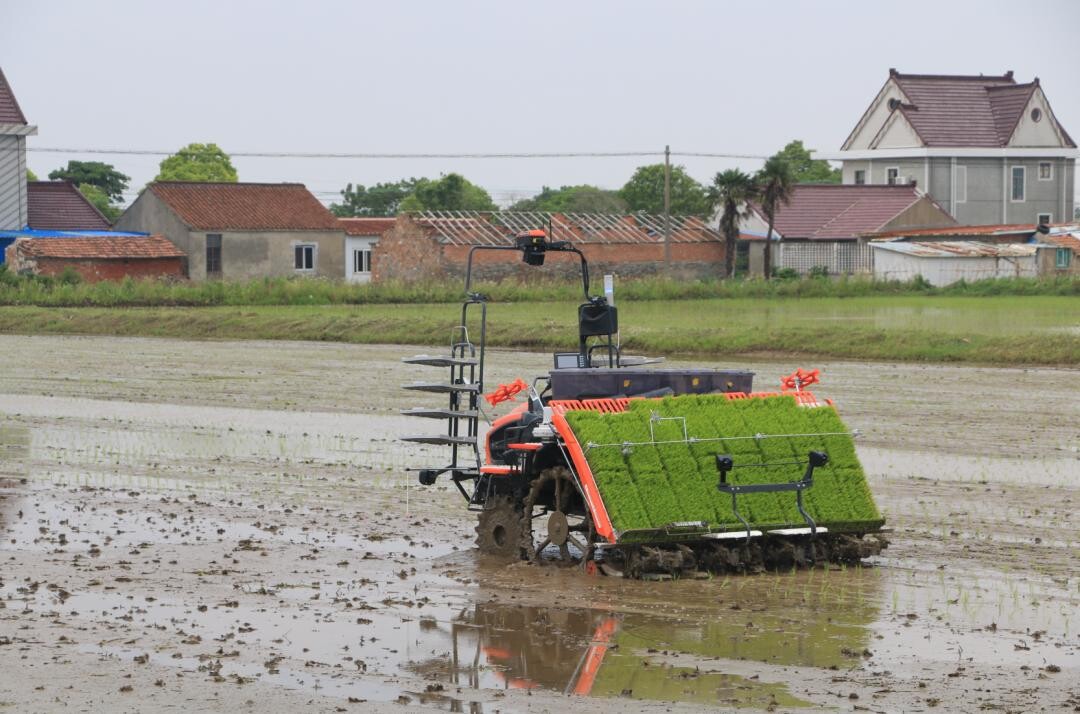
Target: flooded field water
pixel 229 526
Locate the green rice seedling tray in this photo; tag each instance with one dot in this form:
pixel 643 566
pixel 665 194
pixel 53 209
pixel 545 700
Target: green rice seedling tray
pixel 649 479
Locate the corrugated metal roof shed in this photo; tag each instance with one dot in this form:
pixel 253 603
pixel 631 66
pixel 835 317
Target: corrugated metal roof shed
pixel 959 249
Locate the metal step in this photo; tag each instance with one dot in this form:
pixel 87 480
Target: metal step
pixel 732 535
pixel 797 531
pixel 442 439
pixel 440 413
pixel 438 361
pixel 441 387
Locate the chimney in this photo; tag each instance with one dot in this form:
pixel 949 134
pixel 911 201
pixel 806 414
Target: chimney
pixel 1009 74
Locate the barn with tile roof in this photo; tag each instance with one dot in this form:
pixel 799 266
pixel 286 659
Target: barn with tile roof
pixel 823 225
pixel 241 231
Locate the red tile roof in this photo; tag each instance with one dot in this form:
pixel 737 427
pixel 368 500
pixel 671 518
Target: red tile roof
pixel 838 211
pixel 367 226
pixel 58 205
pixel 10 113
pixel 963 110
pixel 1063 240
pixel 99 248
pixel 245 206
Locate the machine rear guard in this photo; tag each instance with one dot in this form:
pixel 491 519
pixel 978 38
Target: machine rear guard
pixel 582 470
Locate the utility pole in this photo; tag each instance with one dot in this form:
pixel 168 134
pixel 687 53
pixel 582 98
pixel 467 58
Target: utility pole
pixel 667 209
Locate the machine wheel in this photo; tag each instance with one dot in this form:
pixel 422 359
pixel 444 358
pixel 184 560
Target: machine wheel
pixel 555 514
pixel 499 529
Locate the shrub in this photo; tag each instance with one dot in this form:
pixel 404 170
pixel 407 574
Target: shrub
pixel 69 276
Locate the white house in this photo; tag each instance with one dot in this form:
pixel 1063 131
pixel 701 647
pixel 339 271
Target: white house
pixel 361 237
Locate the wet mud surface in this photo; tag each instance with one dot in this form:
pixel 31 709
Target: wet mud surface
pixel 227 526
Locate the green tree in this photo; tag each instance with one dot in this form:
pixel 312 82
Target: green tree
pixel 775 181
pixel 30 175
pixel 573 199
pixel 382 199
pixel 94 173
pixel 731 193
pixel 95 195
pixel 198 162
pixel 805 169
pixel 645 192
pixel 451 192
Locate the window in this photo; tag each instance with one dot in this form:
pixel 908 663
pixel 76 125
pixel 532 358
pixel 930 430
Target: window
pixel 361 260
pixel 961 184
pixel 860 177
pixel 1036 114
pixel 1018 178
pixel 1046 171
pixel 305 257
pixel 891 174
pixel 1062 258
pixel 1044 219
pixel 213 253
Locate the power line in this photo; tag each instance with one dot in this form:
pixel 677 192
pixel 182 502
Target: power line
pixel 403 155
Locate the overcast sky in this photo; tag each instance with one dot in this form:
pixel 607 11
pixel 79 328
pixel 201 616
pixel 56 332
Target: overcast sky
pixel 444 77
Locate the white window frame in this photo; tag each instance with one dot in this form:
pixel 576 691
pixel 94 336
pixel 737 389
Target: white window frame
pixel 892 181
pixel 961 181
pixel 365 260
pixel 1050 176
pixel 1012 184
pixel 1049 218
pixel 314 252
pixel 855 177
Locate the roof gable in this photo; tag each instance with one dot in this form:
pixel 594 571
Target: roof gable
pixel 898 131
pixel 58 205
pixel 875 116
pixel 1023 130
pixel 245 206
pixel 842 211
pixel 10 113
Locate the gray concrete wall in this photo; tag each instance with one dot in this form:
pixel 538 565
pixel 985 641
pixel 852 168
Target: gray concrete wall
pixel 988 199
pixel 12 182
pixel 940 186
pixel 256 254
pixel 149 214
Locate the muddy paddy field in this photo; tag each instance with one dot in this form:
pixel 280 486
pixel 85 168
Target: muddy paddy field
pixel 189 526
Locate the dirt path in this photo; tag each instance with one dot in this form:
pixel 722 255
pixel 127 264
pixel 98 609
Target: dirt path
pixel 220 525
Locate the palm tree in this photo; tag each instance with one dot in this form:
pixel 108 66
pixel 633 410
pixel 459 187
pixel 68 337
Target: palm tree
pixel 732 191
pixel 775 182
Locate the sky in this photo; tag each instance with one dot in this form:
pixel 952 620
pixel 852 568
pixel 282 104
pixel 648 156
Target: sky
pixel 494 77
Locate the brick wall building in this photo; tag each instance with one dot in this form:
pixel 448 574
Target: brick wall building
pixel 97 258
pixel 435 245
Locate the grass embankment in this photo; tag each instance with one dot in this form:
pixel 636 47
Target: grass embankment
pixel 990 330
pixel 69 291
pixel 1017 321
